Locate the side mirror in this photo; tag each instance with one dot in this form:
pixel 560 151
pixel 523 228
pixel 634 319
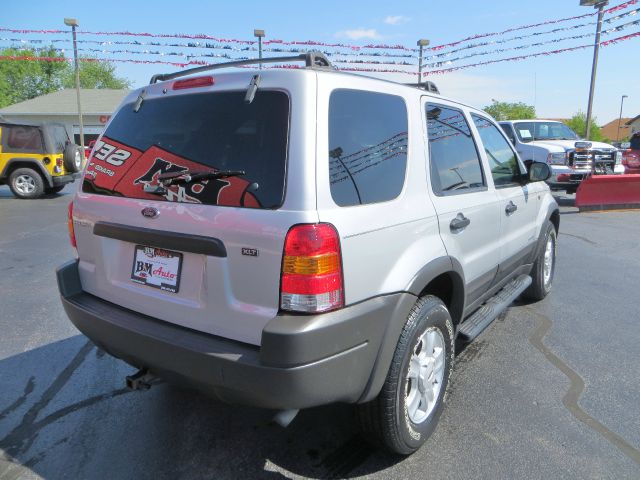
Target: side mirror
pixel 539 172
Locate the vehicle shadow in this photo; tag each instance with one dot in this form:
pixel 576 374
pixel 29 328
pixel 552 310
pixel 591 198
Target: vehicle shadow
pixel 5 192
pixel 567 203
pixel 64 413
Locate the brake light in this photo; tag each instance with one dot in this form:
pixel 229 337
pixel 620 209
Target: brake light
pixel 312 269
pixel 59 162
pixel 193 83
pixel 72 233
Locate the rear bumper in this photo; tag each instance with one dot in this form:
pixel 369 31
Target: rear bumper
pixel 64 179
pixel 304 360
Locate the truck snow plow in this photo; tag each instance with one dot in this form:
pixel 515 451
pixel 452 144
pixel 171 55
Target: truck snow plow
pixel 608 192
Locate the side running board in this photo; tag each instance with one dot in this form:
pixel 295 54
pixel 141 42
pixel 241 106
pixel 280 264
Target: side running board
pixel 487 313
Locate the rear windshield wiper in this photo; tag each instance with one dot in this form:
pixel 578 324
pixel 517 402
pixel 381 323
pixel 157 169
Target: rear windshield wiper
pixel 187 176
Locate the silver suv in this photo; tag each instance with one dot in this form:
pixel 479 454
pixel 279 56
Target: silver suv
pixel 290 238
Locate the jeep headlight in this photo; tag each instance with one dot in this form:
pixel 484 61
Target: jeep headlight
pixel 557 158
pixel 618 157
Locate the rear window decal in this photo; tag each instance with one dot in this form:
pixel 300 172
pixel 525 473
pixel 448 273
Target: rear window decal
pixel 125 171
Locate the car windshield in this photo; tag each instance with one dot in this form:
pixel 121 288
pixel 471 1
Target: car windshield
pixel 201 132
pixel 529 131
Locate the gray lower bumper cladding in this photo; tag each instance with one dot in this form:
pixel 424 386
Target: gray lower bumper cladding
pixel 304 360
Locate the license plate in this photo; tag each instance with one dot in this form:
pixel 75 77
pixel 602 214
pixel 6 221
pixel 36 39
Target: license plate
pixel 157 268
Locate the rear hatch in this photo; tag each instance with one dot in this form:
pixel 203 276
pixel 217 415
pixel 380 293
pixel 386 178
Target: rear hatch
pixel 203 252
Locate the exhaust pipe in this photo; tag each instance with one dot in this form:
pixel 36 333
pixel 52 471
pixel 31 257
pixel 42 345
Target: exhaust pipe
pixel 141 380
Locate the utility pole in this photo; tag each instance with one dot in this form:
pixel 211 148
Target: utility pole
pixel 596 47
pixel 73 23
pixel 620 117
pixel 259 34
pixel 423 42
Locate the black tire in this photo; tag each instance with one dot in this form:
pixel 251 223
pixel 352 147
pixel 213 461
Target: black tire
pixel 541 286
pixel 72 158
pixel 386 419
pixel 52 190
pixel 26 183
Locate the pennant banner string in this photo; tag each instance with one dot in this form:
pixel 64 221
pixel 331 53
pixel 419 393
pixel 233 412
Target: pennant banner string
pixel 617 8
pixel 522 37
pixel 532 55
pixel 531 45
pixel 318 43
pixel 348 69
pixel 190 56
pixel 213 46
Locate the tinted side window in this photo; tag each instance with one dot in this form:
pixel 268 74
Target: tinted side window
pixel 502 159
pixel 367 146
pixel 24 139
pixel 455 164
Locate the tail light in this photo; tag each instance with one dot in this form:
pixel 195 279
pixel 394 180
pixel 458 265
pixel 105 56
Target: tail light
pixel 193 83
pixel 72 233
pixel 312 269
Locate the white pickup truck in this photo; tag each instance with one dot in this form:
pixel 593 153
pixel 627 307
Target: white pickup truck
pixel 570 158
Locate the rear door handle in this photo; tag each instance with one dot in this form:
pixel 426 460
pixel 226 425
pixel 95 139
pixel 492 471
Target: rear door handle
pixel 459 223
pixel 510 208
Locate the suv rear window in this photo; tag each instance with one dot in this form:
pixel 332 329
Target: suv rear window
pixel 367 146
pixel 202 132
pixel 59 137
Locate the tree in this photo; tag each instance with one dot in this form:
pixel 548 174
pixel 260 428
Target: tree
pixel 24 79
pixel 578 123
pixel 95 74
pixel 510 111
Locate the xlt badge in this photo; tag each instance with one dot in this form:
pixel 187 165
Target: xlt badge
pixel 251 252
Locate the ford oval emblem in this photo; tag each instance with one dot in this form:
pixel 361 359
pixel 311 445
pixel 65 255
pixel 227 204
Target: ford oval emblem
pixel 150 212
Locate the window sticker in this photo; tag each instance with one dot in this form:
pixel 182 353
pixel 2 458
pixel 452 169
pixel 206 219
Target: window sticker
pixel 525 133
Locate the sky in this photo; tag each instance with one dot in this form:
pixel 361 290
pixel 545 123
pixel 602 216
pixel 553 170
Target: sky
pixel 557 85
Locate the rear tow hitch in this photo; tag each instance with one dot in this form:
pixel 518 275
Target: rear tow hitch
pixel 141 380
pixel 285 417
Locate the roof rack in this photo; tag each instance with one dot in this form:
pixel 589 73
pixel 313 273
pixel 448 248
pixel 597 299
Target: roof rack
pixel 428 86
pixel 311 59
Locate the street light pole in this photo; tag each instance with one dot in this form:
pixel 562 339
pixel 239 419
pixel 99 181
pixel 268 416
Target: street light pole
pixel 596 47
pixel 259 34
pixel 423 42
pixel 620 117
pixel 73 23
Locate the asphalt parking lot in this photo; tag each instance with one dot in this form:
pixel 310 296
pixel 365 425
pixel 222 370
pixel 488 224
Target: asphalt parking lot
pixel 550 391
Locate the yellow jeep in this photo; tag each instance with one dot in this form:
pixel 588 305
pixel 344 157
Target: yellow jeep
pixel 37 159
